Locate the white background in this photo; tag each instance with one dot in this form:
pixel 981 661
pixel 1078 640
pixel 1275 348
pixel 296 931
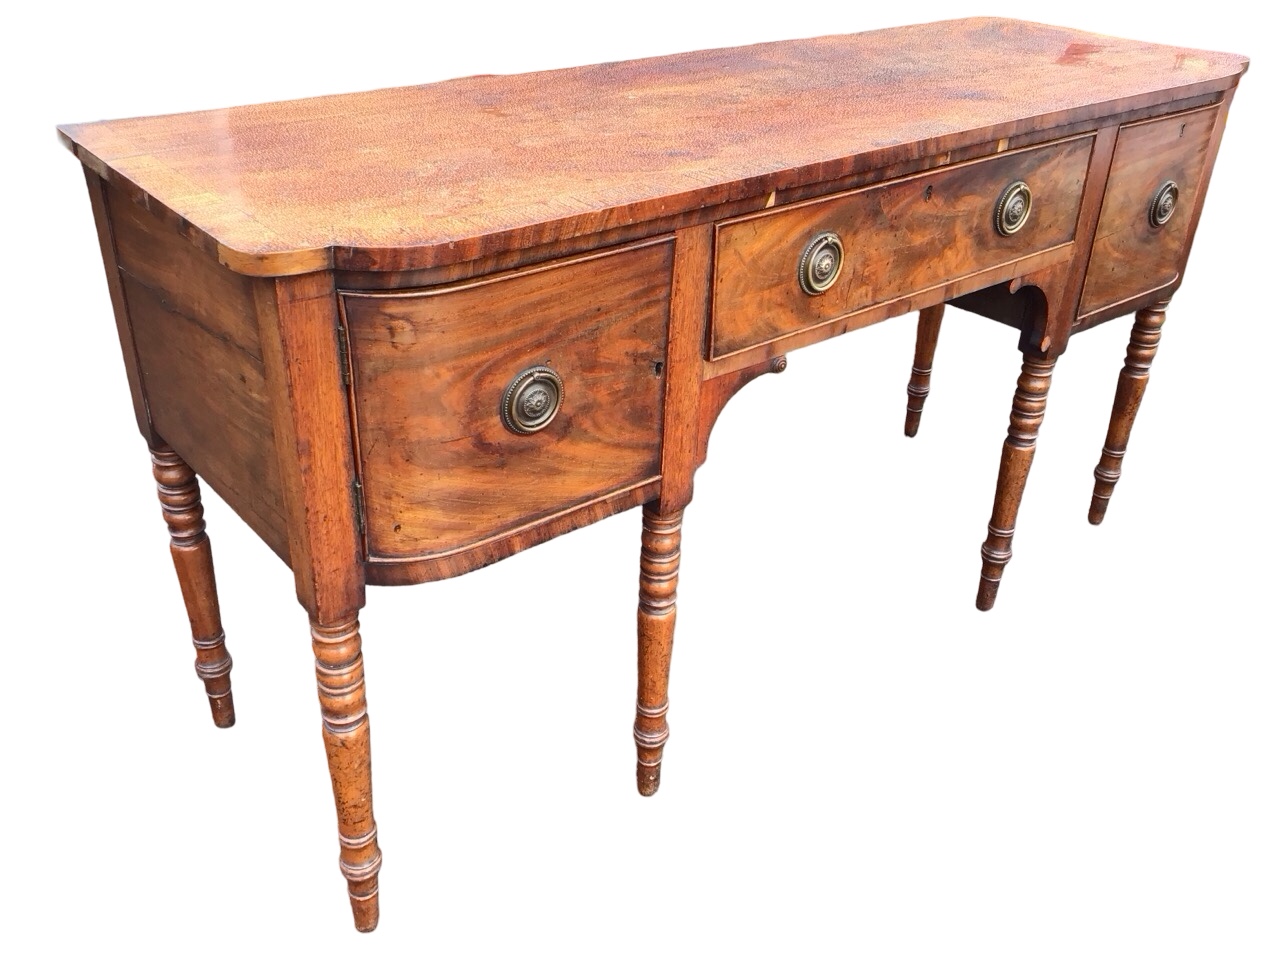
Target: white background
pixel 860 762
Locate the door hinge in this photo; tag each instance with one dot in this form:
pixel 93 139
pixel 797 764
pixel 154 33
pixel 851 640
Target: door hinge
pixel 344 355
pixel 357 493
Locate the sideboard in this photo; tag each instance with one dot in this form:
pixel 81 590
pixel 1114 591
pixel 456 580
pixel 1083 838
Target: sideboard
pixel 409 332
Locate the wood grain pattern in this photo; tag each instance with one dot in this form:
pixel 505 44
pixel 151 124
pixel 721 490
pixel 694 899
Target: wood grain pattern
pixel 440 471
pixel 1130 256
pixel 208 399
pixel 655 627
pixel 472 167
pixel 716 394
pixel 345 722
pixel 119 308
pixel 1130 388
pixel 690 308
pixel 927 330
pixel 179 493
pixel 298 320
pixel 321 303
pixel 1197 206
pixel 195 340
pixel 778 196
pixel 186 279
pixel 396 571
pixel 1050 262
pixel 1051 337
pixel 899 238
pixel 1029 401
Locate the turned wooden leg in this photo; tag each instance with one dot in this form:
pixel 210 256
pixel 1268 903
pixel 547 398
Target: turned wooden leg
pixel 656 625
pixel 340 683
pixel 179 492
pixel 1015 463
pixel 918 386
pixel 1129 390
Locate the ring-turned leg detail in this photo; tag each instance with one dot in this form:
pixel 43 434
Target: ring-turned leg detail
pixel 179 492
pixel 1015 463
pixel 922 369
pixel 340 684
pixel 1129 390
pixel 656 624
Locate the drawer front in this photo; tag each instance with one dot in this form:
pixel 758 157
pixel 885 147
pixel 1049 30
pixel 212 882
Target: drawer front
pixel 898 239
pixel 431 370
pixel 1132 253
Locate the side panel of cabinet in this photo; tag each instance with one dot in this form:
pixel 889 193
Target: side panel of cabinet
pixel 199 363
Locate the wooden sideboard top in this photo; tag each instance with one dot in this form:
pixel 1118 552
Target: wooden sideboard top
pixel 416 177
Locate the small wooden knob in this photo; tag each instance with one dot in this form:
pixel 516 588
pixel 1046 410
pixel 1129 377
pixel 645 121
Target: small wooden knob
pixel 1013 209
pixel 532 400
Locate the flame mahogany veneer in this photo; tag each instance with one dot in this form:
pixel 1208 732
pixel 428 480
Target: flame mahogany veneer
pixel 407 333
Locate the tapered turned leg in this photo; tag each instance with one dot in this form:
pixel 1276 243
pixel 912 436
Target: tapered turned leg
pixel 1129 390
pixel 193 560
pixel 922 369
pixel 340 683
pixel 656 625
pixel 1015 463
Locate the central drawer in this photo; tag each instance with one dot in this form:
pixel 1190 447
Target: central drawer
pixel 484 408
pixel 892 240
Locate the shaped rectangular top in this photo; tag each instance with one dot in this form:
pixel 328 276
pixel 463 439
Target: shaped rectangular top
pixel 420 176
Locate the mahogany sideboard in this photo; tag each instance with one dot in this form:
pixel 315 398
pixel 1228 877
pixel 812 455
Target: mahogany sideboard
pixel 409 332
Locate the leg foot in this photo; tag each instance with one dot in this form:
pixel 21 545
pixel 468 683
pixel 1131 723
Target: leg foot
pixel 179 492
pixel 340 684
pixel 1129 390
pixel 921 370
pixel 656 624
pixel 1015 462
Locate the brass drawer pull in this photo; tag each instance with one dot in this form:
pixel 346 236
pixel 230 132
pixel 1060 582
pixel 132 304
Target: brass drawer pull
pixel 820 263
pixel 1160 211
pixel 1013 209
pixel 532 400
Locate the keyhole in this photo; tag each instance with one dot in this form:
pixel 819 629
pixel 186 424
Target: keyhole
pixel 928 192
pixel 1182 130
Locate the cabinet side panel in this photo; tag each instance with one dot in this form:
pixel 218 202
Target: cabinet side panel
pixel 98 198
pixel 185 277
pixel 200 364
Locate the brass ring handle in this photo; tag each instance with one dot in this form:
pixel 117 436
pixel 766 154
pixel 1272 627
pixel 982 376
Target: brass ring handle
pixel 1013 209
pixel 820 263
pixel 1160 211
pixel 532 400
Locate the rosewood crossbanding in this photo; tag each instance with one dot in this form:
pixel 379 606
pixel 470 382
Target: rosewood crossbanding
pixel 407 333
